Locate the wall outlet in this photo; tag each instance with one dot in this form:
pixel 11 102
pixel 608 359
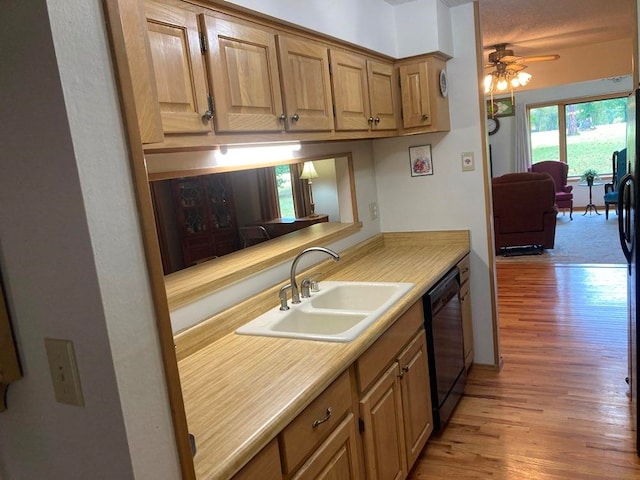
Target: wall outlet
pixel 64 371
pixel 468 163
pixel 373 211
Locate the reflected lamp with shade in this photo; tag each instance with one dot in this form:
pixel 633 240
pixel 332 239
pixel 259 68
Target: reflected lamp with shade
pixel 309 173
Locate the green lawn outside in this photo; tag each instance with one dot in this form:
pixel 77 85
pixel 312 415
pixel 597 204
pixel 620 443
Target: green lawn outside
pixel 589 149
pixel 285 194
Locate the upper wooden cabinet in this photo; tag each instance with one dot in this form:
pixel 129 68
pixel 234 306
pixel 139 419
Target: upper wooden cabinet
pixel 424 107
pixel 178 68
pixel 204 76
pixel 243 75
pixel 257 90
pixel 304 69
pixel 364 92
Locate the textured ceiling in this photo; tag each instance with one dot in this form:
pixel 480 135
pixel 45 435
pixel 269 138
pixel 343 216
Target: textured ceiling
pixel 537 27
pixel 540 27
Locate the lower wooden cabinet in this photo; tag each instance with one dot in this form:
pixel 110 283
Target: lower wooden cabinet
pixel 382 421
pixel 337 458
pixel 465 302
pixel 396 415
pixel 416 396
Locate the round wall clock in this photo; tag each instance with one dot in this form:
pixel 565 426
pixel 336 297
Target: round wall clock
pixel 493 125
pixel 444 86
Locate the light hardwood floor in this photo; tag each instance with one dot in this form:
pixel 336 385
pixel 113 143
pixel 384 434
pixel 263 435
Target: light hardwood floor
pixel 559 408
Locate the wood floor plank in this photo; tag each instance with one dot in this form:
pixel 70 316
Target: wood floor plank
pixel 559 408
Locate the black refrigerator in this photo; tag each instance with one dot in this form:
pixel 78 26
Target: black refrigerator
pixel 628 196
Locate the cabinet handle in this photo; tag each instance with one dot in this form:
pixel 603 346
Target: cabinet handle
pixel 295 117
pixel 207 116
pixel 404 370
pixel 322 420
pixel 283 117
pixel 425 117
pixel 377 120
pixel 370 120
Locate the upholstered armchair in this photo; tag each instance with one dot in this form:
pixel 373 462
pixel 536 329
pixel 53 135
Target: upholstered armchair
pixel 524 210
pixel 559 171
pixel 619 161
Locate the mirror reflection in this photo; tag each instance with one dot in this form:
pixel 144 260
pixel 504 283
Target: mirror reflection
pixel 207 216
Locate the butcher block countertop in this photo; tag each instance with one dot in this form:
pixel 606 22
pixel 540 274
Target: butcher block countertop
pixel 240 391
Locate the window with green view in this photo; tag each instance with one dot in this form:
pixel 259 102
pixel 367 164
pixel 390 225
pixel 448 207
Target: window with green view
pixel 285 192
pixel 592 131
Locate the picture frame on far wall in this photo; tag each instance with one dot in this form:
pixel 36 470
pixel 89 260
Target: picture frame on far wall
pixel 420 160
pixel 500 107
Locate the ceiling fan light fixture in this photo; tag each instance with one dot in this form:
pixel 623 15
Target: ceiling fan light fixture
pixel 523 78
pixel 502 84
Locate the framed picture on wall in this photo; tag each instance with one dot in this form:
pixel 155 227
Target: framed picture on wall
pixel 500 107
pixel 420 160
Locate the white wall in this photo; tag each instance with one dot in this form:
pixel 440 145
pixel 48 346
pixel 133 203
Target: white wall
pixel 408 29
pixel 450 198
pixel 325 189
pixel 368 23
pixel 71 257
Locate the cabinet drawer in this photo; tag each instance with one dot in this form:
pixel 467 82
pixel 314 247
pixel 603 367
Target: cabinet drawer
pixel 308 429
pixel 265 465
pixel 372 362
pixel 463 267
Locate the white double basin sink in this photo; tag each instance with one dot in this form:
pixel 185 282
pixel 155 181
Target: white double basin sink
pixel 339 312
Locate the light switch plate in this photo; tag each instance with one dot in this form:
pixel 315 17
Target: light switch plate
pixel 64 371
pixel 373 211
pixel 468 163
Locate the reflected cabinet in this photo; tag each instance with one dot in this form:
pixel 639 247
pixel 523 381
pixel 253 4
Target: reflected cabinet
pixel 206 217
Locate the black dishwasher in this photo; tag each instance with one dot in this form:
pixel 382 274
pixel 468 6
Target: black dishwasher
pixel 443 325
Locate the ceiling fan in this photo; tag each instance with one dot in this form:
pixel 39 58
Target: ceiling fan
pixel 508 69
pixel 503 55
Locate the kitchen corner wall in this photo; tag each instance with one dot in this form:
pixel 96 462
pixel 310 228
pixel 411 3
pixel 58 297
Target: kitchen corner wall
pixel 72 258
pixel 450 199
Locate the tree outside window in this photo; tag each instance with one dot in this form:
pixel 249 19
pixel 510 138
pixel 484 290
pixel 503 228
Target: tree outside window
pixel 591 132
pixel 285 191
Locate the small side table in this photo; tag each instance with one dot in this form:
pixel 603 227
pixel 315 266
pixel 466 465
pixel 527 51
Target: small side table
pixel 590 206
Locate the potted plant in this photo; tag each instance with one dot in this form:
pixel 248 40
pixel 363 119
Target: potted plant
pixel 589 175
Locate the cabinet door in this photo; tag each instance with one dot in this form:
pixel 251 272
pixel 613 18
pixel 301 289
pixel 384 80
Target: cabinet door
pixel 350 91
pixel 304 69
pixel 414 85
pixel 467 326
pixel 193 224
pixel 336 458
pixel 383 95
pixel 178 68
pixel 416 397
pixel 243 76
pixel 383 437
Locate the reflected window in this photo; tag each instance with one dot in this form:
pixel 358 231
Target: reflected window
pixel 285 191
pixel 203 217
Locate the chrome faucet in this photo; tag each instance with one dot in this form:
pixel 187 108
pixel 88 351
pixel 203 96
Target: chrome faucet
pixel 295 294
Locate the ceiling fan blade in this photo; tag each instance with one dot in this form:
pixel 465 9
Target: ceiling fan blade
pixel 516 67
pixel 510 59
pixel 538 58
